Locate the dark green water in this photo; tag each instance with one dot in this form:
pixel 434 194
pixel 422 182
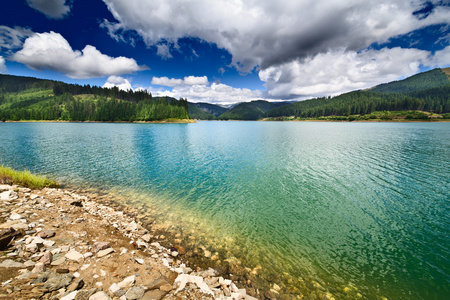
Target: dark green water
pixel 355 207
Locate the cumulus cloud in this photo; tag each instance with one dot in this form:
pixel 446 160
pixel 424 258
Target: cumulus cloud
pixel 13 38
pixel 188 80
pixel 339 71
pixel 268 33
pixel 215 93
pixel 3 68
pixel 52 51
pixel 122 83
pixel 52 9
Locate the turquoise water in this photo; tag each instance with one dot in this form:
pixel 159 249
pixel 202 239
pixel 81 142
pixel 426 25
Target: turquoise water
pixel 353 207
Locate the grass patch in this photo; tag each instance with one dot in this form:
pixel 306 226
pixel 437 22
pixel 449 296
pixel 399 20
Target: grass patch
pixel 25 179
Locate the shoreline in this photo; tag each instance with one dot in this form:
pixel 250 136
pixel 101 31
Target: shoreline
pixel 169 121
pixel 62 236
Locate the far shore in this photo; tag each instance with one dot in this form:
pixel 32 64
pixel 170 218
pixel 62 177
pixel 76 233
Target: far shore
pixel 166 121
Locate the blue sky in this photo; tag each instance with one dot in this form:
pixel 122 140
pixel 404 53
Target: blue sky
pixel 225 51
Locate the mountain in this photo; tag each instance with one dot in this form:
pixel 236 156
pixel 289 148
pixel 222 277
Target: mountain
pixel 27 98
pixel 213 109
pixel 199 114
pixel 428 91
pixel 418 82
pixel 253 110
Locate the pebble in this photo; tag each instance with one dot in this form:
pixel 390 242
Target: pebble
pixel 105 252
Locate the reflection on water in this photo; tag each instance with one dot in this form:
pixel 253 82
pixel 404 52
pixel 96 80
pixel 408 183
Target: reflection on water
pixel 346 208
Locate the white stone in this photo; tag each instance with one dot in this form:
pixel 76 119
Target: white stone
pixel 87 254
pixel 115 290
pixel 84 267
pixel 102 273
pixel 74 255
pixel 15 216
pixel 183 279
pixel 56 251
pixel 49 244
pixel 99 295
pixel 99 284
pixel 76 274
pixel 139 260
pixel 105 252
pixel 124 250
pixel 127 282
pixel 5 196
pixel 70 296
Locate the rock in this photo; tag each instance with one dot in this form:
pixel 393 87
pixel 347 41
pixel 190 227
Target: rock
pixel 8 263
pixel 56 282
pixel 99 296
pixel 166 288
pixel 131 226
pixel 47 258
pixel 127 282
pixel 29 263
pixel 6 236
pixel 59 261
pixel 154 295
pixel 76 285
pixel 62 270
pixel 39 268
pixel 5 187
pixel 85 294
pixel 15 216
pixel 70 296
pixel 74 255
pixel 183 279
pixel 49 233
pixel 135 293
pixel 146 238
pixel 87 254
pixel 100 246
pixel 158 282
pixel 5 196
pixel 115 290
pixel 105 252
pixel 139 261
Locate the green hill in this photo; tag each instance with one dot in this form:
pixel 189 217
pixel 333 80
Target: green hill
pixel 26 98
pixel 213 109
pixel 418 82
pixel 250 110
pixel 199 114
pixel 428 91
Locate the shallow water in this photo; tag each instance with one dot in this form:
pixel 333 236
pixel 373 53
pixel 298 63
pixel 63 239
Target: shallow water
pixel 355 207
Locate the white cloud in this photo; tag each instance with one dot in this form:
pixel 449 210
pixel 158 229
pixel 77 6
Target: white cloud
pixel 214 93
pixel 3 68
pixel 13 38
pixel 52 51
pixel 172 82
pixel 163 51
pixel 339 71
pixel 442 58
pixel 53 9
pixel 268 33
pixel 122 83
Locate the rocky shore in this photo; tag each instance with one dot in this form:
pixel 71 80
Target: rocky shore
pixel 56 244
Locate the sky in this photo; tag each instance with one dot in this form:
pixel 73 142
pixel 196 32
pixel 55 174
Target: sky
pixel 225 51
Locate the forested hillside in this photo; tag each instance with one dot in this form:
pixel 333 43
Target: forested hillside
pixel 212 109
pixel 24 98
pixel 250 110
pixel 429 91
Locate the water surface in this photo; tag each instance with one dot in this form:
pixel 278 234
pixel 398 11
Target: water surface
pixel 339 208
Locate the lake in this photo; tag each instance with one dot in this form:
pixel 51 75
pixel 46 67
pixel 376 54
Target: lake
pixel 348 209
